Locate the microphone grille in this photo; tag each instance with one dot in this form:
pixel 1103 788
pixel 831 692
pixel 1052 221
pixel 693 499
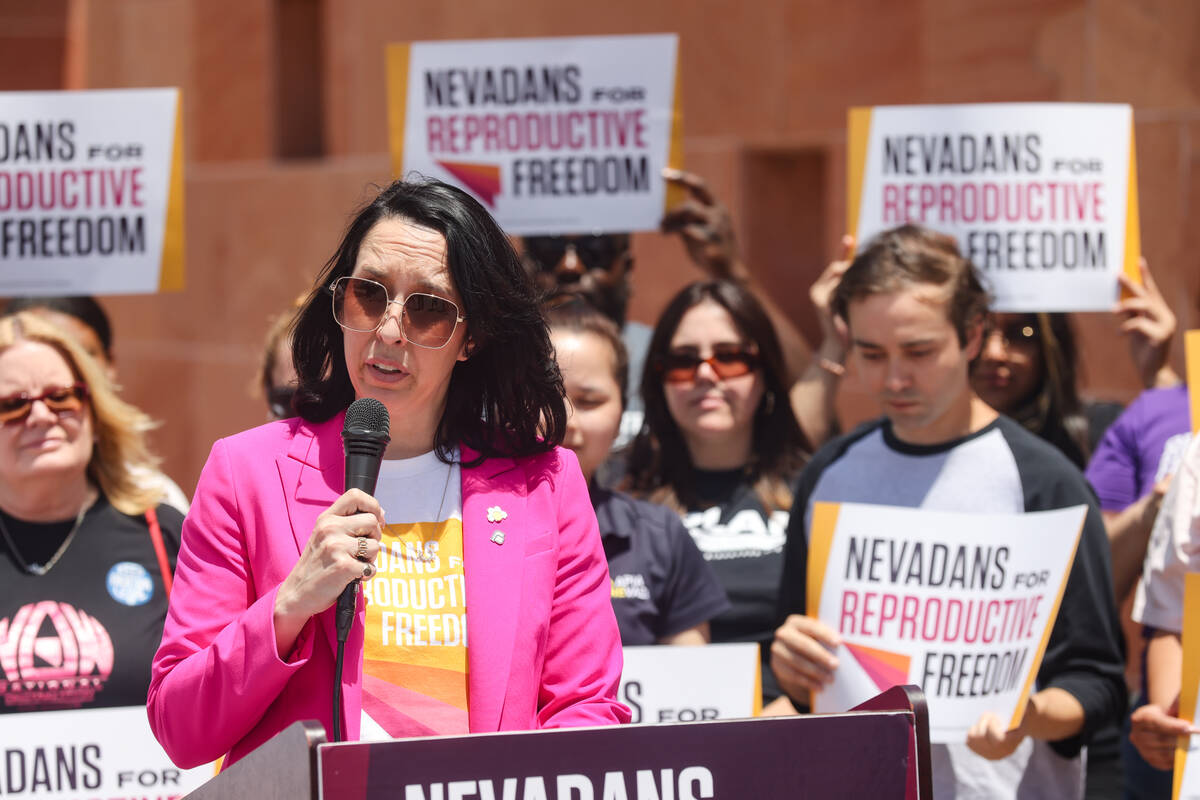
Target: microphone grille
pixel 367 413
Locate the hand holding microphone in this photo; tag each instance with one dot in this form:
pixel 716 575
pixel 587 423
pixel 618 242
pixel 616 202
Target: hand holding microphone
pixel 345 539
pixel 330 561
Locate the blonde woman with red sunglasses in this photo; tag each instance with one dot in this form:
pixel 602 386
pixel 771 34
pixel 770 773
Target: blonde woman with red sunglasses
pixel 85 548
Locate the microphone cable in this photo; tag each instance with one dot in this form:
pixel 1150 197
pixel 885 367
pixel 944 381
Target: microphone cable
pixel 344 621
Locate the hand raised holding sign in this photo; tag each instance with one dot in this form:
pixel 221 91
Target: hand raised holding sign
pixel 1147 319
pixel 833 328
pixel 705 226
pixel 1155 733
pixel 813 395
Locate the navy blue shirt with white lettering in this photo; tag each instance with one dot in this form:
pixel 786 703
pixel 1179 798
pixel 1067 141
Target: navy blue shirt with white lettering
pixel 660 583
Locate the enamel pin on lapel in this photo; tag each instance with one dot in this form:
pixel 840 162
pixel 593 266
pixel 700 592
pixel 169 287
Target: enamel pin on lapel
pixel 497 514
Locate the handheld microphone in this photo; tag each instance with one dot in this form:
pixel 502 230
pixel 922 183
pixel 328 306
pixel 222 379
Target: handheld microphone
pixel 364 440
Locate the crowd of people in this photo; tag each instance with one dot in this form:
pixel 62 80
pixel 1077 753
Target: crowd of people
pixel 636 484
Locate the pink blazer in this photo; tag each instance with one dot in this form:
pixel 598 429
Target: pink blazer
pixel 544 648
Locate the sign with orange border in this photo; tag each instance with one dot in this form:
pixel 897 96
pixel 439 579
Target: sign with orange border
pixel 959 604
pixel 1042 197
pixel 552 136
pixel 1191 347
pixel 1187 751
pixel 91 192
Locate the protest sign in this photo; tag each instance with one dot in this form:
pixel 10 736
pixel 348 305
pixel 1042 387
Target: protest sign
pixel 553 136
pixel 689 684
pixel 1042 197
pixel 91 192
pixel 88 753
pixel 1187 751
pixel 959 604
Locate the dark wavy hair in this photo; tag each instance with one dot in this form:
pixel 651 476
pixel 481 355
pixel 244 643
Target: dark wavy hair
pixel 660 466
pixel 912 255
pixel 507 398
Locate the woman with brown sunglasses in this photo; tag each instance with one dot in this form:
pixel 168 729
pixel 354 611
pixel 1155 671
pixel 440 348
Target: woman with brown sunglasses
pixel 85 547
pixel 426 309
pixel 721 445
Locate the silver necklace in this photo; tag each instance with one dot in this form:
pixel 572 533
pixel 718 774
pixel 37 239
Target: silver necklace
pixel 428 557
pixel 42 569
pixel 445 487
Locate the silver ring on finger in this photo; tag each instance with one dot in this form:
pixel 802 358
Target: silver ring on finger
pixel 361 552
pixel 368 570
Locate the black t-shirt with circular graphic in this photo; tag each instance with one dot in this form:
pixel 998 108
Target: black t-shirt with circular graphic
pixel 83 634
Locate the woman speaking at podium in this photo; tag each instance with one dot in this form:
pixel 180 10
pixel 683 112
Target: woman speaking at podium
pixel 479 521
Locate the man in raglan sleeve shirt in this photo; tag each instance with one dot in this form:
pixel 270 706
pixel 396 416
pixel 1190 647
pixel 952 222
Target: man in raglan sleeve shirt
pixel 915 311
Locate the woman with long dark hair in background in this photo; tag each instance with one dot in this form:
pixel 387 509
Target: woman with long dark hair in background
pixel 721 446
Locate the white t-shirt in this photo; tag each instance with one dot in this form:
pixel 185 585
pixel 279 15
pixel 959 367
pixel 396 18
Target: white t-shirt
pixel 420 489
pixel 1174 549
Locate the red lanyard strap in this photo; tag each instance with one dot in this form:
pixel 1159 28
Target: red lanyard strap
pixel 160 549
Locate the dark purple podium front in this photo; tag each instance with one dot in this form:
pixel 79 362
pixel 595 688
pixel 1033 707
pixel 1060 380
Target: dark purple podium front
pixel 878 753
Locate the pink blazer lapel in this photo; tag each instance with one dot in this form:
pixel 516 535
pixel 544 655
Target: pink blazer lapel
pixel 493 570
pixel 313 474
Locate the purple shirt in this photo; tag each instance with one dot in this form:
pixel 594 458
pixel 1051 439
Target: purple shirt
pixel 1142 446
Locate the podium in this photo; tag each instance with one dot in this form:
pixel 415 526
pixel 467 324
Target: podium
pixel 879 750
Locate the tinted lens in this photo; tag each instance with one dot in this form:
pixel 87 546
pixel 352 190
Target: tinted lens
pixel 680 367
pixel 731 364
pixel 545 251
pixel 428 320
pixel 60 400
pixel 598 252
pixel 358 304
pixel 14 407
